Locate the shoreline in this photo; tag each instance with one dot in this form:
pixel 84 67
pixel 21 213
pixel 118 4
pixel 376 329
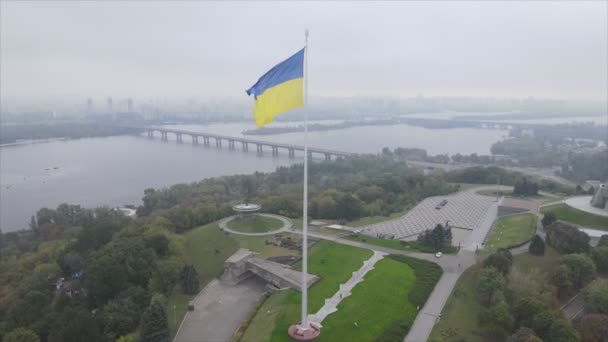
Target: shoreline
pixel 32 142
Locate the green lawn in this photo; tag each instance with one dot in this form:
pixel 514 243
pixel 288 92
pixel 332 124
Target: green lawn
pixel 394 244
pixel 334 263
pixel 411 246
pixel 566 213
pixel 459 318
pixel 256 224
pixel 375 304
pixel 510 231
pixel 526 262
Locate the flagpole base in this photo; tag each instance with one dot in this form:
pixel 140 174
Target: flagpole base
pixel 297 333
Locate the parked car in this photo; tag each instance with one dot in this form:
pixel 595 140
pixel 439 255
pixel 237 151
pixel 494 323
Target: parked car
pixel 438 255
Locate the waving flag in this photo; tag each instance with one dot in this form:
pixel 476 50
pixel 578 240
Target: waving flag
pixel 279 90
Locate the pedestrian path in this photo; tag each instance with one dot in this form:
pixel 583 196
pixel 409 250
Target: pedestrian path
pixel 331 304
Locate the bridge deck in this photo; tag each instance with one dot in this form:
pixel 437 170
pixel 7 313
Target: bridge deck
pixel 250 141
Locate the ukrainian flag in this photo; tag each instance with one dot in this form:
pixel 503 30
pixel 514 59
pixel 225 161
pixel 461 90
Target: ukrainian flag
pixel 279 90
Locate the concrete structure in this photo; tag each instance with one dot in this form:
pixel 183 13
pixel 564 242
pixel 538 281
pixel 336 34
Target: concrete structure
pixel 600 198
pixel 244 264
pixel 275 146
pixel 584 203
pixel 219 310
pixel 287 225
pixel 246 209
pixel 464 210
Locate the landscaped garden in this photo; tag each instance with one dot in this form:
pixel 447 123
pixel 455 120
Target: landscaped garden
pixel 383 304
pixel 511 231
pixel 567 213
pixel 255 224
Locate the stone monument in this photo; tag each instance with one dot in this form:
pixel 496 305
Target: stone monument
pixel 600 198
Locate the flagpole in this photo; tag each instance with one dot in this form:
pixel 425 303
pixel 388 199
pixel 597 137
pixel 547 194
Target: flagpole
pixel 304 324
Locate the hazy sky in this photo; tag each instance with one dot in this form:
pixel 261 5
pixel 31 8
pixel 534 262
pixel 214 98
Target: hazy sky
pixel 211 49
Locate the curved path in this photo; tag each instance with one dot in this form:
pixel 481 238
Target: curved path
pixel 287 224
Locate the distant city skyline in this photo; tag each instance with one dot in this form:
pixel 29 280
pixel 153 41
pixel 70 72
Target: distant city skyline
pixel 67 52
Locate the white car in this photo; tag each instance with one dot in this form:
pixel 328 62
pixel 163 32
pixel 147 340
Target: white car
pixel 438 255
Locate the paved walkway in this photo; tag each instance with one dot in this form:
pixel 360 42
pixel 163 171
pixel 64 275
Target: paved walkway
pixel 331 304
pixel 584 203
pixel 287 225
pixel 219 310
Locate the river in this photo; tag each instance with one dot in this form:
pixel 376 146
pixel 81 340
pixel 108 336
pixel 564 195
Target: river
pixel 114 171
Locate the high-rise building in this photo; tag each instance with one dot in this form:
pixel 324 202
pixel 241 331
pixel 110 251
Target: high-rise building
pixel 110 105
pixel 130 105
pixel 89 105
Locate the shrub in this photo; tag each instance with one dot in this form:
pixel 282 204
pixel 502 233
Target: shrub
pixel 395 331
pixel 567 239
pixel 537 246
pixel 427 275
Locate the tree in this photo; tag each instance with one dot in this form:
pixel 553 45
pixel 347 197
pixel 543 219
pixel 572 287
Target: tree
pixel 249 187
pixel 159 243
pixel 524 334
pixel 189 279
pixel 120 317
pixel 154 324
pixel 582 269
pixel 71 263
pixel 490 282
pixel 497 318
pixel 500 260
pixel 116 265
pixel 567 239
pixel 561 331
pixel 526 306
pixel 537 246
pixel 593 328
pixel 561 278
pixel 600 258
pixel 21 335
pixel 595 297
pixel 548 219
pixel 165 276
pixel 348 207
pixel 541 323
pixel 436 238
pixel 603 241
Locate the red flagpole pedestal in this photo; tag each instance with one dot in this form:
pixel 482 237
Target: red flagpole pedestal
pixel 297 333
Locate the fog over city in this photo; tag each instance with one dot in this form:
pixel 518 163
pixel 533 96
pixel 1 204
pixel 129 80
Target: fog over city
pixel 68 51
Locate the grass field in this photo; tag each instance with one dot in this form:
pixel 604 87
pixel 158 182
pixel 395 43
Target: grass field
pixel 510 231
pixel 375 304
pixel 459 316
pixel 394 244
pixel 525 263
pixel 256 224
pixel 258 244
pixel 333 263
pixel 566 213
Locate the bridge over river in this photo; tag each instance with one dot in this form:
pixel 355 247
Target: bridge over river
pixel 205 139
